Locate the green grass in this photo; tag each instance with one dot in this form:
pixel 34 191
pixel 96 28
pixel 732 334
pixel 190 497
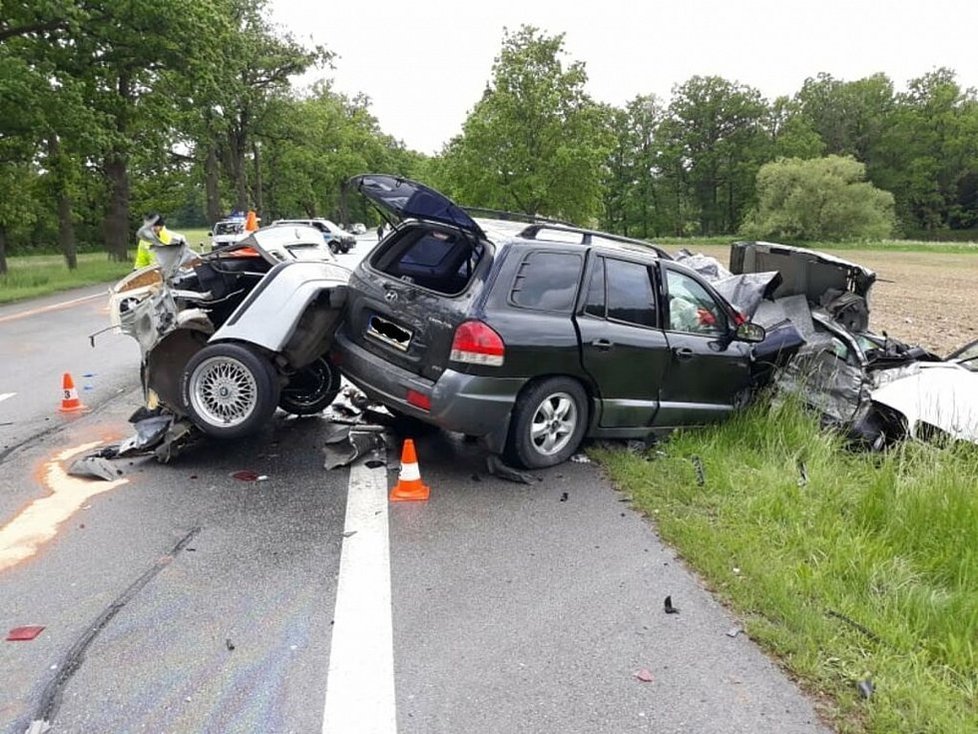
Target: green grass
pixel 31 276
pixel 38 275
pixel 888 541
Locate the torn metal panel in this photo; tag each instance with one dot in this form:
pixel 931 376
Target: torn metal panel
pixel 95 466
pixel 803 271
pixel 941 396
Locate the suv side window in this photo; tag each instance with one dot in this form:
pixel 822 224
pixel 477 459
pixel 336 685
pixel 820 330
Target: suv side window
pixel 547 281
pixel 691 307
pixel 630 296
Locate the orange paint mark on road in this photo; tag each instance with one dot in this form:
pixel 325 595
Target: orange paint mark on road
pixel 52 307
pixel 38 523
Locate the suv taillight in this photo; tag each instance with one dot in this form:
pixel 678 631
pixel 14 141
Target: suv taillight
pixel 476 343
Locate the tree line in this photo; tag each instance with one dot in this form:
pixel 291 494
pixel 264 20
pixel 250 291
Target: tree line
pixel 113 108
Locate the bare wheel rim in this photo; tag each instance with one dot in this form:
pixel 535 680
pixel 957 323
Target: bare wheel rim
pixel 223 391
pixel 553 424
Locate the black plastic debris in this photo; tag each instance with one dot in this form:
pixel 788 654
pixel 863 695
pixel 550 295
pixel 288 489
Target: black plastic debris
pixel 669 608
pixel 734 631
pixel 228 644
pixel 496 467
pixel 563 496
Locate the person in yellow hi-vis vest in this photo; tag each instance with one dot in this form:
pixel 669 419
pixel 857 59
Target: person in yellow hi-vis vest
pixel 153 232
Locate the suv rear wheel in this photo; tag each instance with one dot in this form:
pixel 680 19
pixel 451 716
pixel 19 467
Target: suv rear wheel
pixel 548 423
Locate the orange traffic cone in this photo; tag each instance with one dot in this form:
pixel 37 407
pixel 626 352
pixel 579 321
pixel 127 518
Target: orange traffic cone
pixel 409 485
pixel 70 402
pixel 251 223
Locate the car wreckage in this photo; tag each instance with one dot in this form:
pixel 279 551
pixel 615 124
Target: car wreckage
pixel 228 336
pixel 876 389
pixel 426 321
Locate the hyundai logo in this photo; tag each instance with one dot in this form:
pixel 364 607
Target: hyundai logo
pixel 390 296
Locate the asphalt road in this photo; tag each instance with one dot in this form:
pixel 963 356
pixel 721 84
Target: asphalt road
pixel 181 599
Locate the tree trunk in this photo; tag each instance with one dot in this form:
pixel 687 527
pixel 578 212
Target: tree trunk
pixel 212 178
pixel 117 217
pixel 3 250
pixel 117 173
pixel 258 193
pixel 66 228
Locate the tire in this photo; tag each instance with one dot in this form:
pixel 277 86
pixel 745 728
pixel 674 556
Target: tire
pixel 548 423
pixel 229 390
pixel 312 389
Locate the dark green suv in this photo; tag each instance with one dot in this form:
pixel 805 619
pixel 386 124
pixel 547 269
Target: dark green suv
pixel 532 336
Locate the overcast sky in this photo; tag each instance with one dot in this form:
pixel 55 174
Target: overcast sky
pixel 424 63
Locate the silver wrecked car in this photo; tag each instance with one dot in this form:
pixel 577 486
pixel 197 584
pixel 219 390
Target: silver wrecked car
pixel 229 336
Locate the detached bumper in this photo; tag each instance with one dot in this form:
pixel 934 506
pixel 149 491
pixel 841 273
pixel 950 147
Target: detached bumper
pixel 472 404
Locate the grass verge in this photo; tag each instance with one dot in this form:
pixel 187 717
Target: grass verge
pixel 30 276
pixel 845 566
pixel 38 275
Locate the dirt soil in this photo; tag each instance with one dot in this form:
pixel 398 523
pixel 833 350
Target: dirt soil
pixel 921 298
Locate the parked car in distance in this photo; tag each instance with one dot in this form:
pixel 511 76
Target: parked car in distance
pixel 533 335
pixel 358 228
pixel 227 231
pixel 339 241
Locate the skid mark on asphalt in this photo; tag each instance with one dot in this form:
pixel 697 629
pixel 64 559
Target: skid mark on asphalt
pixel 23 536
pixel 360 682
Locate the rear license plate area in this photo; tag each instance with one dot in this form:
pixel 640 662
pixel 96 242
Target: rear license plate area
pixel 388 333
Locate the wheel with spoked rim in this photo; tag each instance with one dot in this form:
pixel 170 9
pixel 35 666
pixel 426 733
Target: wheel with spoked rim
pixel 229 390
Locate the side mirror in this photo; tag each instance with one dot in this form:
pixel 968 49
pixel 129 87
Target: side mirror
pixel 751 332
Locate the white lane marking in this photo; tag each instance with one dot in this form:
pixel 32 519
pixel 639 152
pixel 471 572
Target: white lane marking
pixel 5 395
pixel 52 307
pixel 360 682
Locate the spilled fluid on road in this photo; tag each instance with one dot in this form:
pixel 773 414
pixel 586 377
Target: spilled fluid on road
pixel 38 523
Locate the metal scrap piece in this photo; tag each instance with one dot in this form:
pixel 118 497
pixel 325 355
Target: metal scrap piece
pixel 95 466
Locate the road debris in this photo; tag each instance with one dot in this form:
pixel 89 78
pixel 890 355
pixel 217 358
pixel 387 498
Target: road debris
pixel 669 608
pixel 865 688
pixel 580 459
pixel 563 496
pixel 700 471
pixel 645 675
pixel 496 467
pixel 734 631
pixel 96 466
pixel 245 475
pixel 24 634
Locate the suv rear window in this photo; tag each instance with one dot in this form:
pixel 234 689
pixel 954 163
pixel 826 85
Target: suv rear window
pixel 436 260
pixel 547 281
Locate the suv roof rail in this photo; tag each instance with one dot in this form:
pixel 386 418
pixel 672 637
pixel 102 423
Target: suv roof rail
pixel 511 216
pixel 588 235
